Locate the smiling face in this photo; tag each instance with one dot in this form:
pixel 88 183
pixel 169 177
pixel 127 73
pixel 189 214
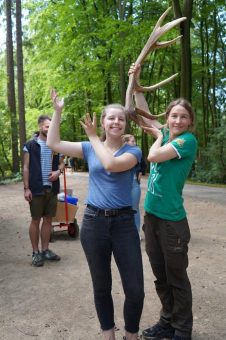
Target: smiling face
pixel 114 121
pixel 178 120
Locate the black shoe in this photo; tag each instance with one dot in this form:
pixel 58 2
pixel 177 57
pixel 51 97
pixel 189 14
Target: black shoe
pixel 158 332
pixel 50 255
pixel 37 260
pixel 180 337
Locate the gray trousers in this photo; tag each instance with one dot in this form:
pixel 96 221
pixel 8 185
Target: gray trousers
pixel 166 245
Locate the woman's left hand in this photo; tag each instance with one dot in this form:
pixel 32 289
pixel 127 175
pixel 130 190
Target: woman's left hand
pixel 89 125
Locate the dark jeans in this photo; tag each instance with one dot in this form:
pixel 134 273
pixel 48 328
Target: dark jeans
pixel 101 237
pixel 167 248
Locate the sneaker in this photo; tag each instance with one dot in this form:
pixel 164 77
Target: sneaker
pixel 180 337
pixel 37 260
pixel 50 255
pixel 158 332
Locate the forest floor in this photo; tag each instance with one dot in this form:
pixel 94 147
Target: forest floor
pixel 55 302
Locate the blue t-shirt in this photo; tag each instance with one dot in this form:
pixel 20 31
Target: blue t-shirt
pixel 109 190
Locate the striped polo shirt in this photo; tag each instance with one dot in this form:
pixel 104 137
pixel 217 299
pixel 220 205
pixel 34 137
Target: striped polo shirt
pixel 46 161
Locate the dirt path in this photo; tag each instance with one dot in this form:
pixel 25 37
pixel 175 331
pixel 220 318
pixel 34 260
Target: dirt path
pixel 55 301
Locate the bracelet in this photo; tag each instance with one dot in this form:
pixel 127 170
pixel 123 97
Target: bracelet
pixel 26 188
pixel 61 171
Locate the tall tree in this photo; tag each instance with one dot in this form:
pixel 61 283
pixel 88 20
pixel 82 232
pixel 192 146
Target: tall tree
pixel 11 86
pixel 186 65
pixel 20 79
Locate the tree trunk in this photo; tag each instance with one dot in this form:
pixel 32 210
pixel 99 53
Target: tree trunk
pixel 186 68
pixel 122 81
pixel 11 87
pixel 208 79
pixel 214 101
pixel 204 108
pixel 20 79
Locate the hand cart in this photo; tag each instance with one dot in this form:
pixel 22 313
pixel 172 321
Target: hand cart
pixel 65 215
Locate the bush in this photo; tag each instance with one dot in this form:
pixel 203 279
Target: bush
pixel 211 165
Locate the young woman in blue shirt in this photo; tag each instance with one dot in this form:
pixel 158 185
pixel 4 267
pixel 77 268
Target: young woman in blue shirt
pixel 108 226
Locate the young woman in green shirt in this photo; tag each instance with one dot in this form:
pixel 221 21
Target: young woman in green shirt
pixel 166 228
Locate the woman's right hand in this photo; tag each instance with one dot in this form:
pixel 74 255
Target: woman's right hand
pixel 136 69
pixel 153 131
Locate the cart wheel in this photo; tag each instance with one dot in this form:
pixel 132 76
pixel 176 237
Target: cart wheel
pixel 73 229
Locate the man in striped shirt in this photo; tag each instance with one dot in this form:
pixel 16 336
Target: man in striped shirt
pixel 41 171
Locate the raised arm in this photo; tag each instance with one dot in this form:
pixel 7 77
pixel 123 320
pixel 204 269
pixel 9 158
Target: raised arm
pixel 53 137
pixel 140 101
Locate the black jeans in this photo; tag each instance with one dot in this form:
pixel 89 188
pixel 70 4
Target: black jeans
pixel 167 248
pixel 102 236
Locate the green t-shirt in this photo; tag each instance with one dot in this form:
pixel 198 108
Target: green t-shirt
pixel 166 180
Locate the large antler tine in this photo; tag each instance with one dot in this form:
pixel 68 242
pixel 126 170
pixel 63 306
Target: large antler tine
pixel 145 51
pixel 147 115
pixel 152 42
pixel 161 44
pixel 143 113
pixel 172 24
pixel 137 119
pixel 153 87
pixel 161 19
pixel 149 44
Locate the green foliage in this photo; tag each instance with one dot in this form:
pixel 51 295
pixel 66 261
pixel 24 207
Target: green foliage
pixel 211 165
pixel 11 179
pixel 78 48
pixel 5 142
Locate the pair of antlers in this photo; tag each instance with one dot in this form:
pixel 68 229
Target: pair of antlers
pixel 134 84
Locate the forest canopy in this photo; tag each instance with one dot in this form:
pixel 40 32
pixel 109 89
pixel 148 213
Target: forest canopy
pixel 84 49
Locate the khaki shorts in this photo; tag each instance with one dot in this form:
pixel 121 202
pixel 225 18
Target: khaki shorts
pixel 43 205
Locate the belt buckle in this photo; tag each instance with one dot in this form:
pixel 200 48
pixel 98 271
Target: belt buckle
pixel 110 212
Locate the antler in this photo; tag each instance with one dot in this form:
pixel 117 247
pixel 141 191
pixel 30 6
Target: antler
pixel 151 45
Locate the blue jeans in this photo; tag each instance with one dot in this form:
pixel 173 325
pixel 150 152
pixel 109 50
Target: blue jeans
pixel 101 237
pixel 136 193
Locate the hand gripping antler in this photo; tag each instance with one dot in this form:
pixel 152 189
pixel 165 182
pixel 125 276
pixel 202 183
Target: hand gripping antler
pixel 151 45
